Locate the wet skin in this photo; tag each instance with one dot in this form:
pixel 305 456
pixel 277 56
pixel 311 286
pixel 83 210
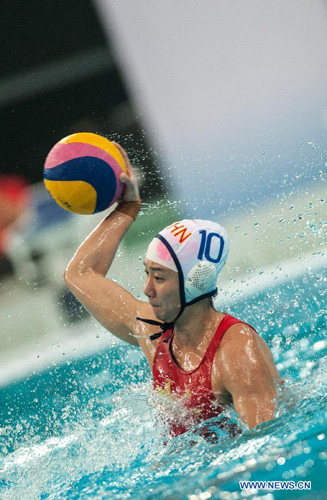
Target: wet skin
pixel 162 290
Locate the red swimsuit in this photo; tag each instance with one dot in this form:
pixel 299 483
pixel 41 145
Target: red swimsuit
pixel 195 386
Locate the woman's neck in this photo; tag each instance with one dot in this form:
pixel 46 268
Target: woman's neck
pixel 196 323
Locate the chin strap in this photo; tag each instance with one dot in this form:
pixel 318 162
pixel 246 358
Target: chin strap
pixel 170 326
pixel 163 326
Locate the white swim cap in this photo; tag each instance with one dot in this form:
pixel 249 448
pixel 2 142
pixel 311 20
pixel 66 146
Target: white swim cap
pixel 197 250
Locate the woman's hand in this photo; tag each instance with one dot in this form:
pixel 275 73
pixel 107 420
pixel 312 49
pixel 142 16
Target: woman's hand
pixel 131 191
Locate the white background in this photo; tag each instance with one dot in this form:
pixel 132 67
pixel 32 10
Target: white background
pixel 232 94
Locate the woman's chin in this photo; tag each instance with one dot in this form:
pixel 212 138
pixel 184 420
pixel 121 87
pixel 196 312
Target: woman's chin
pixel 159 314
pixel 164 315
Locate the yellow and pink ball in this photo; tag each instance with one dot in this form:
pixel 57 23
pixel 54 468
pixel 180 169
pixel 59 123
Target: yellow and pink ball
pixel 82 171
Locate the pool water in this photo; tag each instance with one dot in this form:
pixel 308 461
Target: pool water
pixel 93 428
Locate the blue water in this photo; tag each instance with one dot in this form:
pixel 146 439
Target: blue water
pixel 93 428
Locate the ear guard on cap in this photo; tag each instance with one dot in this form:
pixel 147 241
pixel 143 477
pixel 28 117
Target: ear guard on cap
pixel 201 279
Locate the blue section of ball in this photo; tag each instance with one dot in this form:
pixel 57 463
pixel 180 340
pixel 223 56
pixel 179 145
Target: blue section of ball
pixel 89 169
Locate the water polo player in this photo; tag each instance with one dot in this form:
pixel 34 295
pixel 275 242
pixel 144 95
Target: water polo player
pixel 203 357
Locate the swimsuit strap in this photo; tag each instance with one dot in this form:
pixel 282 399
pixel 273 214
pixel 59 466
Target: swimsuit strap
pixel 223 326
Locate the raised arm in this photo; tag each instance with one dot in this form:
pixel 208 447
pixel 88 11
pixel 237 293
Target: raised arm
pixel 113 306
pixel 249 374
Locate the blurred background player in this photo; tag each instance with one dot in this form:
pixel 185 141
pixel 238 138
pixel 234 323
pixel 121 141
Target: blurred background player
pixel 14 201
